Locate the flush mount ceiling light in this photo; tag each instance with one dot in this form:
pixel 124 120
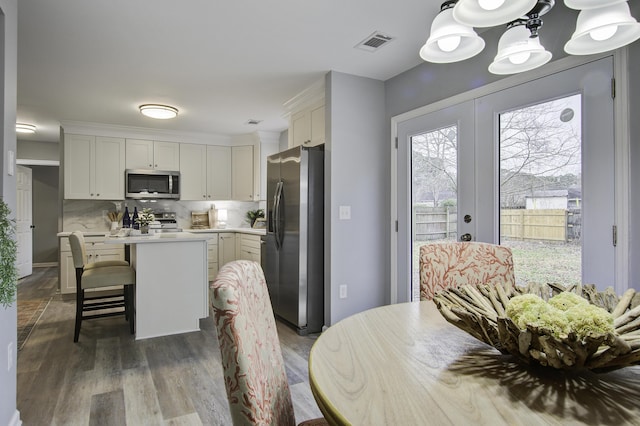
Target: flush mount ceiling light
pixel 25 128
pixel 160 112
pixel 600 29
pixel 450 41
pixel 487 13
pixel 602 25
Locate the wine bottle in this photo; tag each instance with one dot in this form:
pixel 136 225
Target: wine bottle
pixel 126 220
pixel 134 220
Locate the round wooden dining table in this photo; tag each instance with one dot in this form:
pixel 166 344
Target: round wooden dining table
pixel 405 365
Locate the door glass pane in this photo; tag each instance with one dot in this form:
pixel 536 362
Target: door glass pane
pixel 540 190
pixel 434 199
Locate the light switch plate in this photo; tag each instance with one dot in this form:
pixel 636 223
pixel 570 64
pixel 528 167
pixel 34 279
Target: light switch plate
pixel 345 212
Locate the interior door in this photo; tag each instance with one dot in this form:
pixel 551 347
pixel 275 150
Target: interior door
pixel 24 221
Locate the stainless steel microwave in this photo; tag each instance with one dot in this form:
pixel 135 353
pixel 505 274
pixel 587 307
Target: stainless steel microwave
pixel 141 184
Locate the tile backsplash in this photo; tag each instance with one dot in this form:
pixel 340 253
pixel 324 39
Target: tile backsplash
pixel 91 216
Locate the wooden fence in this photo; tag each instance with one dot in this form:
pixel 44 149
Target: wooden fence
pixel 435 223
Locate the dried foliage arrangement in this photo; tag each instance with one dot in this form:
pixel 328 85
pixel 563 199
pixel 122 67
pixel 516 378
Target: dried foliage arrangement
pixel 481 312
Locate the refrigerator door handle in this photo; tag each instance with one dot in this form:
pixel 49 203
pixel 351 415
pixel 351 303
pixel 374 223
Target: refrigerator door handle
pixel 277 213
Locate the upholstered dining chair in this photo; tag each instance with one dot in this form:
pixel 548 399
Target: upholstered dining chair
pixel 450 264
pixel 254 373
pixel 100 275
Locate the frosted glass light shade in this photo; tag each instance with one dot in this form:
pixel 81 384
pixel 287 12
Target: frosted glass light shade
pixel 594 25
pixel 471 13
pixel 517 52
pixel 450 41
pixel 160 112
pixel 589 4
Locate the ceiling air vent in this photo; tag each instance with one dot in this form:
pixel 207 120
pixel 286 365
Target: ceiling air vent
pixel 374 42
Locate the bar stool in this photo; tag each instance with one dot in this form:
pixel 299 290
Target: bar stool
pixel 99 275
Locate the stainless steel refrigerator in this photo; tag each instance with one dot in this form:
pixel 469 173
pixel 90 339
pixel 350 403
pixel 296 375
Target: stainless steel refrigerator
pixel 293 249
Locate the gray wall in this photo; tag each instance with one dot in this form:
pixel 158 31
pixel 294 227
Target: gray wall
pixel 8 75
pixel 45 213
pixel 34 150
pixel 357 175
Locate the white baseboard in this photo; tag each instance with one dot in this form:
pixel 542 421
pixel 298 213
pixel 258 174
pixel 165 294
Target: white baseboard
pixel 45 265
pixel 15 420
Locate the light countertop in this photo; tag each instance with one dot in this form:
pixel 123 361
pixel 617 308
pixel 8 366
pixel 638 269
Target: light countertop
pixel 188 230
pixel 163 237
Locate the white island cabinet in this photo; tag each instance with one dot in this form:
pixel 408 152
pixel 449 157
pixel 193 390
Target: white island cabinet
pixel 172 291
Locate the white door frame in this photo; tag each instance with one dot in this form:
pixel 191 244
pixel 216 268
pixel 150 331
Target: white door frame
pixel 622 143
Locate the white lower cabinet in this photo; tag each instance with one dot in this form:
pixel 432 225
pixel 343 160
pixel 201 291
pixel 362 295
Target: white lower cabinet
pixel 226 248
pixel 212 247
pixel 249 247
pixel 96 249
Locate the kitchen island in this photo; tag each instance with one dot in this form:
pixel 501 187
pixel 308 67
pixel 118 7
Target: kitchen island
pixel 171 282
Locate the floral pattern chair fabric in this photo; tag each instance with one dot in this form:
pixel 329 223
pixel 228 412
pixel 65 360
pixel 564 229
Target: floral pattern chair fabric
pixel 254 372
pixel 444 265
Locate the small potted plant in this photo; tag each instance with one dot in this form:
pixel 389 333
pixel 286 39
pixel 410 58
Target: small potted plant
pixel 8 253
pixel 144 219
pixel 252 215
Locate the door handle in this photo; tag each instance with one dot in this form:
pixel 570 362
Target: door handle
pixel 465 237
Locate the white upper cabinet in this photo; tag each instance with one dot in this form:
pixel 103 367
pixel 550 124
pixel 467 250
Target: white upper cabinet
pixel 306 116
pixel 307 126
pixel 193 172
pixel 146 154
pixel 93 167
pixel 242 173
pixel 218 172
pixel 205 172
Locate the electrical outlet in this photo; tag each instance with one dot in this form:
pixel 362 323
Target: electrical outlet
pixel 10 356
pixel 343 291
pixel 345 213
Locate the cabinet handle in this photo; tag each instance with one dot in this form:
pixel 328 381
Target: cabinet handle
pixel 156 165
pixel 307 141
pixel 150 165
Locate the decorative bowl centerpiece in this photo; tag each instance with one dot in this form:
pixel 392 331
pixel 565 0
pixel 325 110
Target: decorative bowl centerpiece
pixel 571 328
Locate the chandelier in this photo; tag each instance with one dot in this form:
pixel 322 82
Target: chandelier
pixel 602 25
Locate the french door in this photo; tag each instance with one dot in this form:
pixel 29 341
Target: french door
pixel 531 166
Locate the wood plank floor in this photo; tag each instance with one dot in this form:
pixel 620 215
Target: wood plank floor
pixel 107 378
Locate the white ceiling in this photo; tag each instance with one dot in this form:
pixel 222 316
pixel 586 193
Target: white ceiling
pixel 220 62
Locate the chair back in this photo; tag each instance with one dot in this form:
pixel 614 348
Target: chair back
pixel 78 251
pixel 450 264
pixel 254 372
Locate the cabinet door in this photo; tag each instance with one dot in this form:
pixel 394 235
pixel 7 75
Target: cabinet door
pixel 78 157
pixel 166 155
pixel 218 172
pixel 109 168
pixel 242 173
pixel 316 118
pixel 67 273
pixel 212 247
pixel 300 128
pixel 193 172
pixel 139 154
pixel 226 248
